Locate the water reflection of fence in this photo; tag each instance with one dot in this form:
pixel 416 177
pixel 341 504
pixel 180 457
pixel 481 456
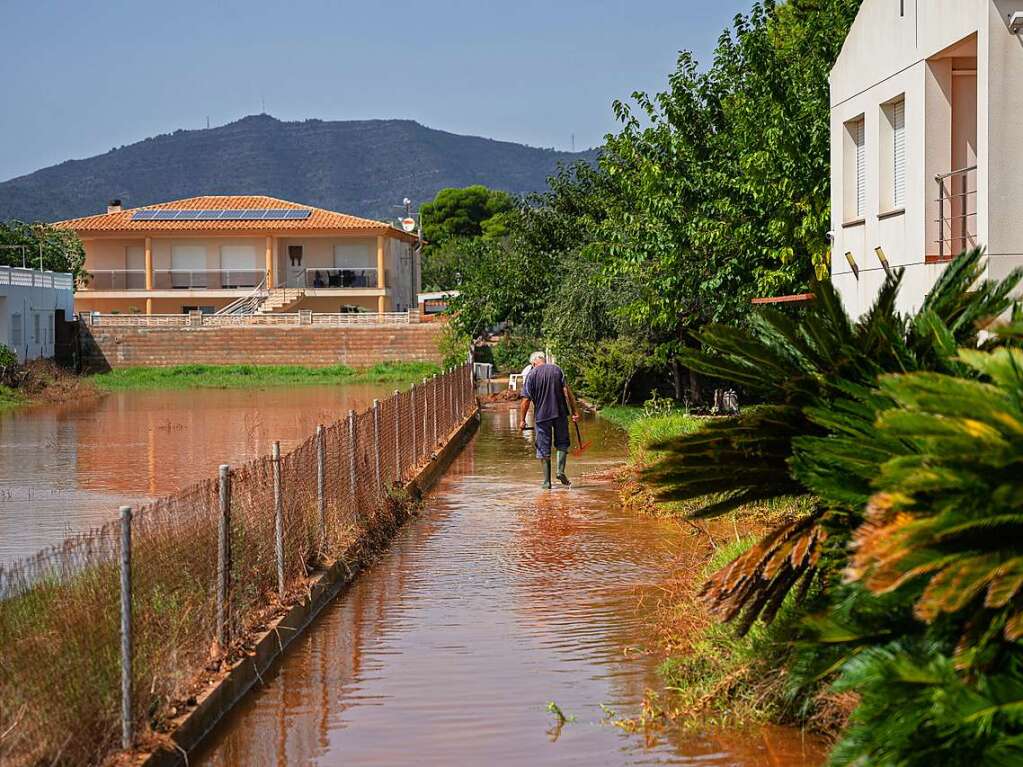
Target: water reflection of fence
pixel 128 615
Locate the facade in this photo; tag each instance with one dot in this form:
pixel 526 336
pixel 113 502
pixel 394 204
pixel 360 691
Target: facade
pixel 926 119
pixel 207 253
pixel 31 304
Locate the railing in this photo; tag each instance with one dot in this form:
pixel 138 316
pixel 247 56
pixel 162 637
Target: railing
pixel 248 304
pixel 33 278
pixel 340 277
pixel 957 211
pixel 175 279
pixel 286 319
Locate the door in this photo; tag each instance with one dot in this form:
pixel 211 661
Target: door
pixel 296 272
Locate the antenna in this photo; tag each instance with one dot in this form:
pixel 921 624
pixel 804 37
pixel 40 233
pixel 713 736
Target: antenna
pixel 573 142
pixel 207 122
pixel 262 101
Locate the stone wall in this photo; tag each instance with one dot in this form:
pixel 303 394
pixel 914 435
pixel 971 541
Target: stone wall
pixel 104 348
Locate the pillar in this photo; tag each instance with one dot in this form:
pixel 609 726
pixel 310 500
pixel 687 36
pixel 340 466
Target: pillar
pixel 381 282
pixel 269 262
pixel 149 306
pixel 149 263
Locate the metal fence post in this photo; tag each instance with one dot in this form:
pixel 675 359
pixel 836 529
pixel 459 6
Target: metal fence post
pixel 397 435
pixel 415 425
pixel 376 444
pixel 435 387
pixel 127 720
pixel 426 417
pixel 224 556
pixel 351 455
pixel 278 518
pixel 321 483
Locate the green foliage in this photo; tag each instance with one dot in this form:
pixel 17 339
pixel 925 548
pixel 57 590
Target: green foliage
pixel 609 369
pixel 60 249
pixel 466 213
pixel 511 354
pixel 454 346
pixel 7 358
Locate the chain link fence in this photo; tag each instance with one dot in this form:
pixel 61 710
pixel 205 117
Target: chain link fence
pixel 172 589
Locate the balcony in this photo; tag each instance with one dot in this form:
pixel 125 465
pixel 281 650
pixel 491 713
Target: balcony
pixel 957 212
pixel 173 279
pixel 340 277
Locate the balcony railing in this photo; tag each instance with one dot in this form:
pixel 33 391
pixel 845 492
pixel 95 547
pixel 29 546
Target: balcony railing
pixel 174 279
pixel 33 278
pixel 957 211
pixel 340 277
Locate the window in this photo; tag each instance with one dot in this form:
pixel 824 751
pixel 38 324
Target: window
pixel 17 332
pixel 239 265
pixel 50 329
pixel 892 136
pixel 36 337
pixel 855 170
pixel 135 267
pixel 188 266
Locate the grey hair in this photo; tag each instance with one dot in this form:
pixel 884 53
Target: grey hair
pixel 537 357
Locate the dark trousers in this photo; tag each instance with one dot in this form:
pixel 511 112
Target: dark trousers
pixel 556 428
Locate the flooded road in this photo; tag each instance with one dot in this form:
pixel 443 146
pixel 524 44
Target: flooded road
pixel 67 468
pixel 498 599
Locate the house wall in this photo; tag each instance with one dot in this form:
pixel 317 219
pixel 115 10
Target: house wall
pixel 29 303
pixel 886 56
pixel 1001 122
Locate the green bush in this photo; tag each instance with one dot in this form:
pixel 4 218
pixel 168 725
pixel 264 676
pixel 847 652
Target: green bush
pixel 609 369
pixel 511 353
pixel 7 357
pixel 454 346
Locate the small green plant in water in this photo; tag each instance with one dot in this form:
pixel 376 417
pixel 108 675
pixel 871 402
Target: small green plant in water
pixel 555 709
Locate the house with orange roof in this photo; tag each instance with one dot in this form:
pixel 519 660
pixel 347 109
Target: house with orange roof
pixel 243 253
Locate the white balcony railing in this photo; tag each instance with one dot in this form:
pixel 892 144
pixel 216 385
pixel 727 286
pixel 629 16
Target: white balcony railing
pixel 957 211
pixel 34 278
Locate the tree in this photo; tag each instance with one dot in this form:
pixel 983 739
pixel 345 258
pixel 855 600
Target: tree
pixel 474 211
pixel 60 249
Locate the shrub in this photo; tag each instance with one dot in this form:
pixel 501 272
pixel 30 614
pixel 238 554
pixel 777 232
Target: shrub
pixel 609 369
pixel 511 353
pixel 7 357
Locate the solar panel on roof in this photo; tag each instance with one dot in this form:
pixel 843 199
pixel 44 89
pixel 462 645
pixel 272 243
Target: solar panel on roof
pixel 252 214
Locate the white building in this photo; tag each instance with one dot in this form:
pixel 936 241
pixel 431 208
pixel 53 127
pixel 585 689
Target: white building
pixel 926 135
pixel 29 300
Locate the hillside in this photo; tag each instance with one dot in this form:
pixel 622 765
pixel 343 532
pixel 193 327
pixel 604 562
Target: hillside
pixel 360 167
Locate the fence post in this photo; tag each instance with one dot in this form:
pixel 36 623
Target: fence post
pixel 321 482
pixel 127 721
pixel 426 416
pixel 376 444
pixel 415 426
pixel 278 518
pixel 397 436
pixel 224 556
pixel 351 456
pixel 435 387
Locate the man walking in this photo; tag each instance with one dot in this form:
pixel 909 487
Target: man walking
pixel 553 403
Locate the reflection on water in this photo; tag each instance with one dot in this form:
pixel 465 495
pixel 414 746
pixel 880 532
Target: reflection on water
pixel 498 599
pixel 67 468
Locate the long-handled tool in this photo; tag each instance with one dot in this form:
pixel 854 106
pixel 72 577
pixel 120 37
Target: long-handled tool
pixel 579 437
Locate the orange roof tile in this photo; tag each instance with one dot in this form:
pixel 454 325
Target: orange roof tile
pixel 320 219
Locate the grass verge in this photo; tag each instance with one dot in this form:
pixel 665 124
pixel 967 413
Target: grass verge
pixel 711 675
pixel 10 398
pixel 258 376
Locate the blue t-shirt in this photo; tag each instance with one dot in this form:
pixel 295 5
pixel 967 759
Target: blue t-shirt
pixel 545 388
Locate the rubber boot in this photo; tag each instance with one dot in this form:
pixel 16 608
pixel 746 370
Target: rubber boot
pixel 562 460
pixel 546 473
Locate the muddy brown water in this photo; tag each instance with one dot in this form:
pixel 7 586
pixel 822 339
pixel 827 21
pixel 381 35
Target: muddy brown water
pixel 496 600
pixel 67 468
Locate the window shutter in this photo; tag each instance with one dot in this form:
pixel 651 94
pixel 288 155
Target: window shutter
pixel 899 169
pixel 861 169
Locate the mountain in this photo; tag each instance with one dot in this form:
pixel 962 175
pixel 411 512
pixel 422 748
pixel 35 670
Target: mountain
pixel 361 167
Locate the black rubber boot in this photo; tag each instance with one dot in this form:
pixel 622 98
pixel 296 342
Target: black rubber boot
pixel 546 473
pixel 562 460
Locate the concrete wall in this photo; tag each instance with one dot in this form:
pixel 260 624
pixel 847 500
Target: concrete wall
pixel 358 347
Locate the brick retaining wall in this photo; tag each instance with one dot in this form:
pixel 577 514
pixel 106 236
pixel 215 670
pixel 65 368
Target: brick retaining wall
pixel 358 347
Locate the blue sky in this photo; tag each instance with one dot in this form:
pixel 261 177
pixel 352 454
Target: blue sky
pixel 83 77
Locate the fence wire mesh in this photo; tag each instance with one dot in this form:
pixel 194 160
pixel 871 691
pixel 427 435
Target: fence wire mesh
pixel 60 629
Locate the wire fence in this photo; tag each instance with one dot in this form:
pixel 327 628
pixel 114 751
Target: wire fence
pixel 110 631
